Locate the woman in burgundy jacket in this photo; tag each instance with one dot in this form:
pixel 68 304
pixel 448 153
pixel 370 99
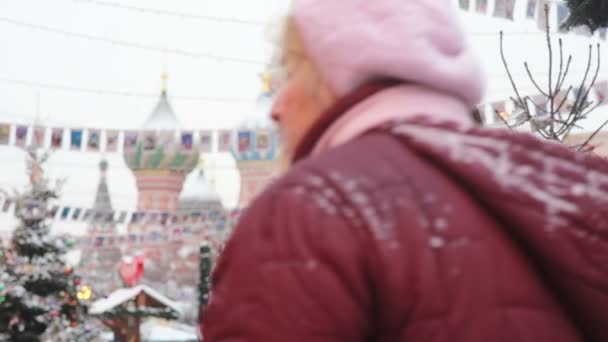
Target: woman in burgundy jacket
pixel 399 219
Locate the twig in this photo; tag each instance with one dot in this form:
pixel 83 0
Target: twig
pixel 594 134
pixel 534 82
pixel 504 62
pixel 503 119
pixel 561 65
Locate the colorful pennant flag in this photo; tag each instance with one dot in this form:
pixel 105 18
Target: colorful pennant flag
pixel 481 6
pixel 244 141
pixel 122 217
pixel 7 205
pixel 21 136
pixel 76 214
pixel 87 215
pixel 130 140
pixel 531 9
pixel 225 141
pixel 76 140
pixel 206 139
pixel 65 212
pixel 53 212
pixel 167 138
pixel 187 141
pixel 56 138
pixel 263 142
pixel 504 9
pixel 5 134
pixel 112 141
pixel 94 140
pixel 150 140
pixel 39 136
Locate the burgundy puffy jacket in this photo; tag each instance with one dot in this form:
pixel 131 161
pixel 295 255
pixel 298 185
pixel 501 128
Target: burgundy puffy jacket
pixel 422 232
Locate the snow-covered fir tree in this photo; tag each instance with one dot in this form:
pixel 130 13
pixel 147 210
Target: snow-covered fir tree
pixel 38 288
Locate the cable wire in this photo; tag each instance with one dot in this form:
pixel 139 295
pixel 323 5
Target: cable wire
pixel 191 54
pixel 120 93
pixel 181 15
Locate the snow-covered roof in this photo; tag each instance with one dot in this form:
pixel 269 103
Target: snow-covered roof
pixel 154 332
pixel 121 296
pixel 197 188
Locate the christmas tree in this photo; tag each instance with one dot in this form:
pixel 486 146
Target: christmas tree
pixel 38 288
pixel 590 13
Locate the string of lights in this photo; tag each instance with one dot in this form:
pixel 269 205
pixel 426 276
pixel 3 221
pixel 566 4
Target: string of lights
pixel 174 51
pixel 176 14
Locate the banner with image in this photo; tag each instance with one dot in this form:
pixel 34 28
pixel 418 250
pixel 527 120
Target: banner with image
pixel 150 140
pixel 38 139
pixel 225 141
pixel 206 141
pixel 187 141
pixel 244 141
pixel 130 140
pixel 94 140
pixel 5 134
pixel 481 6
pixel 21 135
pixel 531 9
pixel 263 141
pixel 112 141
pixel 56 138
pixel 504 8
pixel 76 140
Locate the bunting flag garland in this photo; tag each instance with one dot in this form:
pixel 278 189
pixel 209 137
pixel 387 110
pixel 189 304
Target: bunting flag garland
pixel 158 227
pixel 255 144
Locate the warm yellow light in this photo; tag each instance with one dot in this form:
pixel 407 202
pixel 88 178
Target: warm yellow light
pixel 85 293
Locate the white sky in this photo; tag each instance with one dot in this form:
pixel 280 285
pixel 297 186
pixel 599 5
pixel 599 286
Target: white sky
pixel 31 55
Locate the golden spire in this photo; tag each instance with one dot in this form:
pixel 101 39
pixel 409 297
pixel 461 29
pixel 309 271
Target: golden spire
pixel 266 82
pixel 165 75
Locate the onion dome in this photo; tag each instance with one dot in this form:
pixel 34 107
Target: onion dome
pixel 198 194
pixel 157 147
pixel 255 138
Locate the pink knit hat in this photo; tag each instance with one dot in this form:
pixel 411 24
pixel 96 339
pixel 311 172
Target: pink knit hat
pixel 421 41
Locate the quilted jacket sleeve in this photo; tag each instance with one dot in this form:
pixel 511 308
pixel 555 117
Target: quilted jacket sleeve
pixel 292 271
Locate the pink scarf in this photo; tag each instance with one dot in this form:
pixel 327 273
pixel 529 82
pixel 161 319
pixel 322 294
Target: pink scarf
pixel 396 103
